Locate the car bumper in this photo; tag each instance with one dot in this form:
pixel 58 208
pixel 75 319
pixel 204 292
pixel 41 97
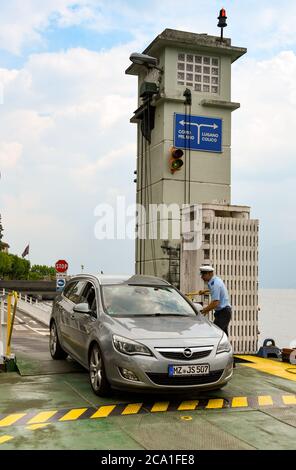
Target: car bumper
pixel 152 372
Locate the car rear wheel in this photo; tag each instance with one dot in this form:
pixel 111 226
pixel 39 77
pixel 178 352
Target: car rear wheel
pixel 97 374
pixel 56 350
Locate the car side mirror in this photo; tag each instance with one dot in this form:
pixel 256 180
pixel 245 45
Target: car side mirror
pixel 82 308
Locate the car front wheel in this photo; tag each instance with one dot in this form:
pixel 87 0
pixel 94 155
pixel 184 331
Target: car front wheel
pixel 55 347
pixel 97 374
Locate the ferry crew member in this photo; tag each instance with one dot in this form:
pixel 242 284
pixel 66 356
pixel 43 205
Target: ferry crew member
pixel 219 298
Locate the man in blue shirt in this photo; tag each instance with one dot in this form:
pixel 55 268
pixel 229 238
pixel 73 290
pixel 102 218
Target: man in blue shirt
pixel 219 298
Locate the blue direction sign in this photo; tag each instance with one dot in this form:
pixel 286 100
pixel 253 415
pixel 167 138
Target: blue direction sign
pixel 198 133
pixel 60 284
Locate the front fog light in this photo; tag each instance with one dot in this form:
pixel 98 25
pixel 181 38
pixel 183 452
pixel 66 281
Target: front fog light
pixel 128 374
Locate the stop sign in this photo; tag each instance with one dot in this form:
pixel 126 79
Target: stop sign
pixel 61 266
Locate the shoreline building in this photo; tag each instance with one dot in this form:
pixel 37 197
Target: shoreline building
pixel 4 247
pixel 184 159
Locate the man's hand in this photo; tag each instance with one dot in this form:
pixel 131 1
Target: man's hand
pixel 212 306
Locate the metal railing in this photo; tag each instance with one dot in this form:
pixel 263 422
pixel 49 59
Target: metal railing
pixel 45 306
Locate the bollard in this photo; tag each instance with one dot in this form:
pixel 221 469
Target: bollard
pixel 10 321
pixel 269 349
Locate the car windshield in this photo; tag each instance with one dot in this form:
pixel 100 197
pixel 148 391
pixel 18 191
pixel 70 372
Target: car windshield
pixel 131 300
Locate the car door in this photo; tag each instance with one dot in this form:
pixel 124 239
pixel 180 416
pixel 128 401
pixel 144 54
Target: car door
pixel 70 319
pixel 63 315
pixel 85 322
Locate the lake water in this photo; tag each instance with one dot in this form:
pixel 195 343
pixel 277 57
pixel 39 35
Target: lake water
pixel 277 316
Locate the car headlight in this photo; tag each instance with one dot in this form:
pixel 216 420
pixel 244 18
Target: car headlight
pixel 224 345
pixel 130 347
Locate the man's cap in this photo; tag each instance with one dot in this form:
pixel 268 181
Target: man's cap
pixel 206 269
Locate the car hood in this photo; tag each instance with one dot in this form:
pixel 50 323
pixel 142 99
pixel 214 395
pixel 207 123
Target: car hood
pixel 166 327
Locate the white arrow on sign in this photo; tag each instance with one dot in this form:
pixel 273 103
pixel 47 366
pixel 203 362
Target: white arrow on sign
pixel 183 123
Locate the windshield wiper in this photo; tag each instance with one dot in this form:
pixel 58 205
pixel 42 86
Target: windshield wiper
pixel 160 314
pixel 157 314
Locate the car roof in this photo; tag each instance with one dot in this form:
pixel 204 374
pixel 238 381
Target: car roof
pixel 135 279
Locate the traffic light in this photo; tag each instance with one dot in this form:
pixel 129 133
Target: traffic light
pixel 222 18
pixel 175 159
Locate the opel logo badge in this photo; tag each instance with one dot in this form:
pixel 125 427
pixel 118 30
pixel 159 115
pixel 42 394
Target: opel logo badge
pixel 187 352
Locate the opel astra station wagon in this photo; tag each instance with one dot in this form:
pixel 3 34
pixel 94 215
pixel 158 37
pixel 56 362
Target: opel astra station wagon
pixel 138 332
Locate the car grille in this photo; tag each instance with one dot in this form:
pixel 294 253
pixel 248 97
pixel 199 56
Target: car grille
pixel 180 356
pixel 164 379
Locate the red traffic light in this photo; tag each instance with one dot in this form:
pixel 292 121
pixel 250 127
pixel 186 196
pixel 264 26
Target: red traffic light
pixel 175 160
pixel 223 12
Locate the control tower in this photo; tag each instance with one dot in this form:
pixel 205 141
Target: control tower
pixel 184 161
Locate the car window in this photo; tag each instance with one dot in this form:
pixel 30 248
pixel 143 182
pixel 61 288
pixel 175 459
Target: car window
pixel 75 293
pixel 89 296
pixel 69 288
pixel 128 300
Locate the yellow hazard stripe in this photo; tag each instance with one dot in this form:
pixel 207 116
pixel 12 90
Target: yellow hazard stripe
pixel 269 366
pixel 103 411
pixel 132 409
pixel 42 417
pixel 45 417
pixel 265 400
pixel 238 402
pixel 73 414
pixel 11 419
pixel 160 406
pixel 215 403
pixel 289 399
pixel 188 405
pixel 4 439
pixel 33 427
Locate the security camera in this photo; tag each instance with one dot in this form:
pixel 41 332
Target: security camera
pixel 144 59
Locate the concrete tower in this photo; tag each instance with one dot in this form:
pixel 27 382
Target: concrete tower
pixel 184 104
pixel 201 64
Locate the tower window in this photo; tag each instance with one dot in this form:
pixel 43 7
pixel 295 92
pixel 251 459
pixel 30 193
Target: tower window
pixel 206 70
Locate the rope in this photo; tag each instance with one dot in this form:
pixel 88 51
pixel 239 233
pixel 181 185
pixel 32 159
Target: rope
pixel 189 165
pixel 148 194
pixel 141 201
pixel 185 156
pixel 153 249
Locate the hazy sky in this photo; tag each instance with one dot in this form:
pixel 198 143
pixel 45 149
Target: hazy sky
pixel 66 144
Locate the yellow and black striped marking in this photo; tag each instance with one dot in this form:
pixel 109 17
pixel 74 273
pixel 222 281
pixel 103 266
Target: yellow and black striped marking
pixel 40 419
pixel 270 366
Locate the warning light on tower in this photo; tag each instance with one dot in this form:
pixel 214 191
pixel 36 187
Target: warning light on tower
pixel 222 21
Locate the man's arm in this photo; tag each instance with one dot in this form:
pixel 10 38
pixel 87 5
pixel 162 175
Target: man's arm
pixel 215 294
pixel 212 306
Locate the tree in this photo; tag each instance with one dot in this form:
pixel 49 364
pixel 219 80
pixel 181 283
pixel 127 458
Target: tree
pixel 16 268
pixel 5 265
pixel 20 267
pixel 39 271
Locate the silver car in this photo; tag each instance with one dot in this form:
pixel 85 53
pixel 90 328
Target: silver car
pixel 138 332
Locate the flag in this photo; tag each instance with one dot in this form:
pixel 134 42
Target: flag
pixel 26 251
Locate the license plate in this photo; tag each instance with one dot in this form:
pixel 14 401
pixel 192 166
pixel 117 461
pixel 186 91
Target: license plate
pixel 198 369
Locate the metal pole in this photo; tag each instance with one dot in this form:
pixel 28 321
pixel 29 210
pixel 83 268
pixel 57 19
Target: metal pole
pixel 8 324
pixel 14 294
